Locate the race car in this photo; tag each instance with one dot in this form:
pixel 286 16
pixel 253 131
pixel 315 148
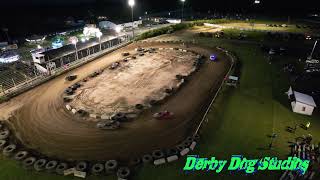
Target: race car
pixel 163 115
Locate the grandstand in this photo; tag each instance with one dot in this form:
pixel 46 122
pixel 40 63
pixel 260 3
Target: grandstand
pixel 15 74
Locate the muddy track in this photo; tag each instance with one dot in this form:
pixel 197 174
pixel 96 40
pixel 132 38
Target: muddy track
pixel 43 124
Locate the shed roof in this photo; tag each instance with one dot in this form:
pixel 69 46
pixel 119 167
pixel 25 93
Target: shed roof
pixel 304 98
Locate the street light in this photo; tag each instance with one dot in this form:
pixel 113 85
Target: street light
pixel 74 41
pixel 131 4
pixel 98 35
pixel 183 1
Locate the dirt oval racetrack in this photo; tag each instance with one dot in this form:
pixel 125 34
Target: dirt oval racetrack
pixel 43 124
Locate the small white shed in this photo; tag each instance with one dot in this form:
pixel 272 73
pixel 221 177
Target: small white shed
pixel 301 103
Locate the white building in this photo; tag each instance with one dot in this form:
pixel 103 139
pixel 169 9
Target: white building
pixel 301 103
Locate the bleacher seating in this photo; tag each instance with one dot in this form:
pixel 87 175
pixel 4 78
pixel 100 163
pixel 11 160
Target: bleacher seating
pixel 15 74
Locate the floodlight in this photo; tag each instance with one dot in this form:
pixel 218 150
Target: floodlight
pixel 118 29
pixel 131 3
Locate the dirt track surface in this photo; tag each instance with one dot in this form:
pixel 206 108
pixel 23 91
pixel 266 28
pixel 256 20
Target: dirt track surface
pixel 42 123
pixel 134 82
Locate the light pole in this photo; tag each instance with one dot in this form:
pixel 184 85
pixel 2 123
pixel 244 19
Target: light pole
pixel 183 1
pixel 74 41
pixel 131 4
pixel 99 34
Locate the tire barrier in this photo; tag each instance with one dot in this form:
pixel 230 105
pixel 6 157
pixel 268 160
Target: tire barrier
pixel 135 161
pixel 172 158
pixel 69 92
pixel 196 137
pixel 121 117
pixel 4 134
pixel 67 99
pixel 153 102
pixel 180 147
pixel 139 106
pixel 193 145
pixel 68 107
pixel 19 156
pixel 187 142
pixel 1 125
pixel 28 162
pixel 169 90
pixel 172 151
pixel 40 164
pixel 97 169
pixel 81 166
pixel 83 113
pixel 146 159
pixel 51 166
pixel 61 167
pixel 123 173
pixel 8 150
pixel 74 111
pixel 157 154
pixel 111 166
pixel 159 161
pixel 184 152
pixel 2 143
pixel 179 77
pixel 108 125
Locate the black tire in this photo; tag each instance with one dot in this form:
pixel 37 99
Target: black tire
pixel 67 100
pixel 61 167
pixel 153 102
pixel 119 117
pixel 179 77
pixel 40 164
pixel 83 113
pixel 147 159
pixel 157 154
pixel 51 166
pixel 8 150
pixel 97 169
pixel 172 151
pixel 135 161
pixel 19 156
pixel 139 106
pixel 196 137
pixel 111 166
pixel 2 143
pixel 4 134
pixel 81 166
pixel 28 162
pixel 180 147
pixel 169 90
pixel 123 173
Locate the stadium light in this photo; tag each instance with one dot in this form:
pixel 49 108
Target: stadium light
pixel 118 29
pixel 183 1
pixel 74 41
pixel 131 4
pixel 98 35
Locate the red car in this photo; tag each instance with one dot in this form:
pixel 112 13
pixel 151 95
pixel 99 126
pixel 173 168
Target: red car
pixel 163 115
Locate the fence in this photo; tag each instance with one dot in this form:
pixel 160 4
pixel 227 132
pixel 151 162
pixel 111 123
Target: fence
pixel 30 83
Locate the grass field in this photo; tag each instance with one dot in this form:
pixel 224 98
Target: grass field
pixel 241 119
pixel 239 122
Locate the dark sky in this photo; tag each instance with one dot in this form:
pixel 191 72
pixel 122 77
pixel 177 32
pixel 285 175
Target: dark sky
pixel 278 5
pixel 36 16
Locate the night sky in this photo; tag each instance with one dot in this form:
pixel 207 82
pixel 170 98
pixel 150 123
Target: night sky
pixel 35 16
